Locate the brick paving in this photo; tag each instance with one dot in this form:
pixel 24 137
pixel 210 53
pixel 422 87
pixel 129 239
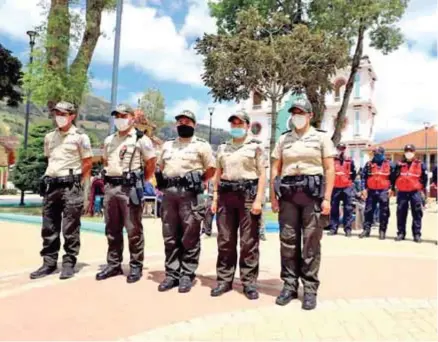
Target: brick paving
pixel 370 290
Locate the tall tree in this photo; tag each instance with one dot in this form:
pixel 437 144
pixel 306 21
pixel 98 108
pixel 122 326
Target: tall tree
pixel 31 163
pixel 345 19
pixel 153 104
pixel 10 77
pixel 53 77
pixel 352 20
pixel 257 58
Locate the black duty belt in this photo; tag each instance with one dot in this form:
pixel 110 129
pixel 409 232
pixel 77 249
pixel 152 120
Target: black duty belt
pixel 311 184
pixel 62 181
pixel 177 182
pixel 240 185
pixel 128 179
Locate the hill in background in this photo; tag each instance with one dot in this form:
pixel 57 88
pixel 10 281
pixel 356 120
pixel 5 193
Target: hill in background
pixel 93 117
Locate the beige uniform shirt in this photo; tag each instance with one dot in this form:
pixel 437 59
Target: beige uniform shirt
pixel 65 151
pixel 303 155
pixel 179 157
pixel 241 161
pixel 117 150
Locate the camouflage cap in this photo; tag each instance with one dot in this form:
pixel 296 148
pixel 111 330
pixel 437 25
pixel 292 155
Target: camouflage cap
pixel 65 107
pixel 302 104
pixel 123 109
pixel 241 115
pixel 186 114
pixel 410 147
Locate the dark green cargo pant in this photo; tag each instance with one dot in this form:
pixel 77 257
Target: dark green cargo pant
pixel 181 233
pixel 121 212
pixel 299 219
pixel 234 215
pixel 62 210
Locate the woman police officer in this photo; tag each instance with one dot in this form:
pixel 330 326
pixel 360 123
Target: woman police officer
pixel 238 192
pixel 304 160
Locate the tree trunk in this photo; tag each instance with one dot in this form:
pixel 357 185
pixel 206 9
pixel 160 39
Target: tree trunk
pixel 80 65
pixel 273 128
pixel 317 99
pixel 58 42
pixel 337 135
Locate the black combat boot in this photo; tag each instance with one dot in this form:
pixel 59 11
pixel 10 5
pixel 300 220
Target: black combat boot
pixel 185 284
pixel 417 238
pixel 109 272
pixel 167 284
pixel 365 233
pixel 67 272
pixel 348 233
pixel 382 235
pixel 43 271
pixel 286 296
pixel 134 275
pixel 309 301
pixel 250 292
pixel 399 237
pixel 262 236
pixel 332 232
pixel 220 289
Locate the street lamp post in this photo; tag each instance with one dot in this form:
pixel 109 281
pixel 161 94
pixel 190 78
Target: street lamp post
pixel 211 111
pixel 32 35
pixel 426 128
pixel 116 58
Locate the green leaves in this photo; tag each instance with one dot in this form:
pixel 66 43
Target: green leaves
pixel 31 163
pixel 10 77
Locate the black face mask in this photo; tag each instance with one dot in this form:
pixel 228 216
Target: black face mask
pixel 185 131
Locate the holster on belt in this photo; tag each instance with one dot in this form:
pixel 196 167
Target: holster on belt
pixel 248 187
pixel 135 181
pixel 194 183
pixel 312 185
pixel 47 184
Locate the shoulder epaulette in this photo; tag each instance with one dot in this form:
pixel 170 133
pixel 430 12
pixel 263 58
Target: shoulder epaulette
pixel 288 131
pixel 320 130
pixel 171 139
pixel 200 139
pixel 79 131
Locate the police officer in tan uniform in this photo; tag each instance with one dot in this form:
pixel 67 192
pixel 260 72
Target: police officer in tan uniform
pixel 185 164
pixel 239 189
pixel 129 159
pixel 69 166
pixel 304 162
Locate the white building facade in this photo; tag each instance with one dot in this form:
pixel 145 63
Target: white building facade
pixel 358 133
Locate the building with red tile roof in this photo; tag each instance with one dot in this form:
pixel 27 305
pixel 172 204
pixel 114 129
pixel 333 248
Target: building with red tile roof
pixel 8 148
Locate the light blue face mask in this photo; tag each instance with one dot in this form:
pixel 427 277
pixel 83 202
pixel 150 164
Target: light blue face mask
pixel 237 132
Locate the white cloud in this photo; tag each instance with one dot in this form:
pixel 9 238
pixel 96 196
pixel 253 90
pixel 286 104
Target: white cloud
pixel 100 84
pixel 220 115
pixel 198 20
pixel 405 92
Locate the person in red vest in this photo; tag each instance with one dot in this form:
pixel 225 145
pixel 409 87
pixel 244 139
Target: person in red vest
pixel 410 180
pixel 345 174
pixel 376 184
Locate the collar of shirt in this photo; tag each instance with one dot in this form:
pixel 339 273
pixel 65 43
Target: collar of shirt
pixel 71 130
pixel 192 140
pixel 130 133
pixel 310 131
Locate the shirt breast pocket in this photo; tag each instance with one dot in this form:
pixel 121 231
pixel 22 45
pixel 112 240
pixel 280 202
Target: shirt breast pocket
pixel 190 157
pixel 167 155
pixel 314 146
pixel 248 153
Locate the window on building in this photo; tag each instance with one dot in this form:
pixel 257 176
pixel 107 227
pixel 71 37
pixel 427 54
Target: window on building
pixel 257 100
pixel 337 87
pixel 356 122
pixel 357 85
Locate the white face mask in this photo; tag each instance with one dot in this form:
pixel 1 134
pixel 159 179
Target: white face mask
pixel 299 121
pixel 61 121
pixel 121 124
pixel 409 155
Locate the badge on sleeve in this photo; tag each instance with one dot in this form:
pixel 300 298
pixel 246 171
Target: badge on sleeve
pixel 86 145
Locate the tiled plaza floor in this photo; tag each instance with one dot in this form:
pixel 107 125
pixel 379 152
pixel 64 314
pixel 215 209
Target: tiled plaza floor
pixel 371 290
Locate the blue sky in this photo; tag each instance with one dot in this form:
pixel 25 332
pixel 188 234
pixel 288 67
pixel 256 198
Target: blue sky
pixel 157 39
